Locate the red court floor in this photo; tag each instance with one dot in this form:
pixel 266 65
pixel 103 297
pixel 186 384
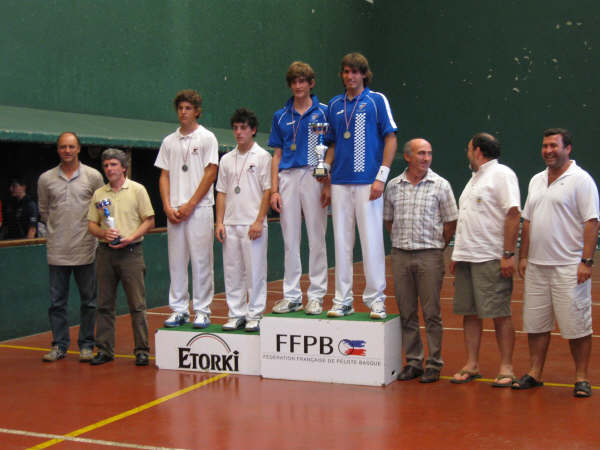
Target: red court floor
pixel 70 405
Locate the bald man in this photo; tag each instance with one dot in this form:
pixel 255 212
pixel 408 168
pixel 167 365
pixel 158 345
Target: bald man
pixel 420 214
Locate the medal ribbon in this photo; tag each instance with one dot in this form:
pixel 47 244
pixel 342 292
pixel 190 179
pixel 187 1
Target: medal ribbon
pixel 295 129
pixel 186 154
pixel 351 114
pixel 239 177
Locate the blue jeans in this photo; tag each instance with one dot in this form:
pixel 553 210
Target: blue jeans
pixel 85 277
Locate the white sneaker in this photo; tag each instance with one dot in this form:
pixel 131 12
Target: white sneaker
pixel 253 325
pixel 285 306
pixel 313 307
pixel 201 320
pixel 234 324
pixel 339 310
pixel 55 354
pixel 177 319
pixel 378 310
pixel 86 354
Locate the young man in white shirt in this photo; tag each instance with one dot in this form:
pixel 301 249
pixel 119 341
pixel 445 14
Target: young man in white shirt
pixel 243 193
pixel 188 159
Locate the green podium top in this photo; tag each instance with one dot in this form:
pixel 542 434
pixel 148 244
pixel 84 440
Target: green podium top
pixel 356 317
pixel 212 328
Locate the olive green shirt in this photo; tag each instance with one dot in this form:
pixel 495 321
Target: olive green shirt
pixel 129 206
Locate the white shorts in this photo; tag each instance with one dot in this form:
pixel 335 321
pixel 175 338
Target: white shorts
pixel 553 290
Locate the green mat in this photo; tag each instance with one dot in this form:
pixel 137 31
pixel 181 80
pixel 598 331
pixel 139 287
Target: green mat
pixel 356 317
pixel 212 328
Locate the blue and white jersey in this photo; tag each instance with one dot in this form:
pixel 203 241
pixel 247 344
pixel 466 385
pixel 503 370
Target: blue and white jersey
pixel 285 121
pixel 357 159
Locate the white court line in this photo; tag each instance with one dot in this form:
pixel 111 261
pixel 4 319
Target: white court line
pixel 271 291
pixel 493 331
pixel 421 327
pixel 83 440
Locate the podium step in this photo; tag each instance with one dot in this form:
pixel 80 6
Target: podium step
pixel 353 349
pixel 208 350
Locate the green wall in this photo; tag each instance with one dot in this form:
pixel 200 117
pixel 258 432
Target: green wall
pixel 449 69
pixel 24 274
pixel 512 68
pixel 128 58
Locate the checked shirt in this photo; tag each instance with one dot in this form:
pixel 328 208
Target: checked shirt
pixel 418 213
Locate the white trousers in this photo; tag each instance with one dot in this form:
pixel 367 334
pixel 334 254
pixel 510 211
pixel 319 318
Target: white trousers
pixel 245 270
pixel 192 241
pixel 301 195
pixel 350 205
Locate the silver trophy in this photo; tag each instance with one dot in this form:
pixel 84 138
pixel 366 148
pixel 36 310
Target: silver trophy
pixel 108 219
pixel 320 129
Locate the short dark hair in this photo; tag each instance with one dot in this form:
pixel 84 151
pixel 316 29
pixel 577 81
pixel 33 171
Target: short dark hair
pixel 299 69
pixel 567 137
pixel 488 144
pixel 191 96
pixel 115 153
pixel 243 115
pixel 18 180
pixel 358 62
pixel 71 133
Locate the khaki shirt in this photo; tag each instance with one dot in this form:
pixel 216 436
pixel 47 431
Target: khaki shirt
pixel 130 206
pixel 63 207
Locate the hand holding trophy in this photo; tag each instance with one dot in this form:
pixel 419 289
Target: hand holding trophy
pixel 108 219
pixel 320 129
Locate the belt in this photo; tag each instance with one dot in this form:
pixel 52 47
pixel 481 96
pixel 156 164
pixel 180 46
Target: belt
pixel 127 247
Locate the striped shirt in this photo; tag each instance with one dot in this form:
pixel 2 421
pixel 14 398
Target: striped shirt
pixel 418 213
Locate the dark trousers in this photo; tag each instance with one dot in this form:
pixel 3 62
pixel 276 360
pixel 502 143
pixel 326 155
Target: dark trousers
pixel 418 274
pixel 85 277
pixel 127 266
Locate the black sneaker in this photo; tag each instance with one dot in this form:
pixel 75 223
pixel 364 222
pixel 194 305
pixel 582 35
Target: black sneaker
pixel 100 358
pixel 141 359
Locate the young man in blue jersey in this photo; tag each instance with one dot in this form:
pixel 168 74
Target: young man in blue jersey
pixel 295 191
pixel 362 144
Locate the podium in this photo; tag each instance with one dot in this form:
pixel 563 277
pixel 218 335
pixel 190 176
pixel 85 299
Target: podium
pixel 208 350
pixel 352 350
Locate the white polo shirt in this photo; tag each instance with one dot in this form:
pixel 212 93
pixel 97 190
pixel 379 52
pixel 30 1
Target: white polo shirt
pixel 488 196
pixel 557 214
pixel 196 151
pixel 251 172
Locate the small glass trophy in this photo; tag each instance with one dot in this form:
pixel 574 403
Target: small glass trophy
pixel 108 219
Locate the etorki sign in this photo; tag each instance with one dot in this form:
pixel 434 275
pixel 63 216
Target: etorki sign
pixel 208 352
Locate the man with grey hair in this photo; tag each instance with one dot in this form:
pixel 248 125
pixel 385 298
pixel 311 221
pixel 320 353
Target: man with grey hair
pixel 69 246
pixel 120 256
pixel 420 214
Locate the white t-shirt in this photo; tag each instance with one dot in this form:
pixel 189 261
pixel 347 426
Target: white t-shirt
pixel 557 214
pixel 488 196
pixel 195 151
pixel 251 172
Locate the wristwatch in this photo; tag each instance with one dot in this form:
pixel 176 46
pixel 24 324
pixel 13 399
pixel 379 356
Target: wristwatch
pixel 588 261
pixel 506 254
